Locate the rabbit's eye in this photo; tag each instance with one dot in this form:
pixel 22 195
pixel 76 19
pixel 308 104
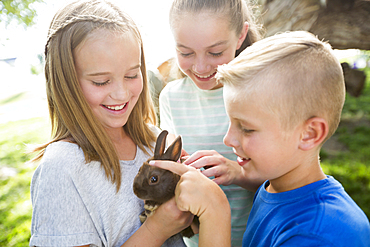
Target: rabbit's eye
pixel 153 180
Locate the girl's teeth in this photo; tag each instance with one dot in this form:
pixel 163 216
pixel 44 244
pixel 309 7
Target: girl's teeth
pixel 116 108
pixel 204 77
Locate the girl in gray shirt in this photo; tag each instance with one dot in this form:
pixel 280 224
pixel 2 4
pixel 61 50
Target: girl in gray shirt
pixel 102 131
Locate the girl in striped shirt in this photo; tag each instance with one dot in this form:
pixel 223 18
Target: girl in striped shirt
pixel 208 33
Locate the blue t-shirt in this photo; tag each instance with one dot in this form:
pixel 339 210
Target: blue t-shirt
pixel 318 214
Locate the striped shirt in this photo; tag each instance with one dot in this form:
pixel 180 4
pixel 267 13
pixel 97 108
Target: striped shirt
pixel 199 116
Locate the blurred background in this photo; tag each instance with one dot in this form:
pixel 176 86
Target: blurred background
pixel 23 107
pixel 23 32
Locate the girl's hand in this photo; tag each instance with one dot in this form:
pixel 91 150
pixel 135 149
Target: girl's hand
pixel 164 223
pixel 224 171
pixel 168 219
pixel 184 155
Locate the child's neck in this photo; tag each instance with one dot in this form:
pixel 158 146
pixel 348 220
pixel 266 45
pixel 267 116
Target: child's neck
pixel 125 146
pixel 291 181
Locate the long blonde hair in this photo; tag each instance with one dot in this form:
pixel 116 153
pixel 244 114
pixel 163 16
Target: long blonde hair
pixel 71 116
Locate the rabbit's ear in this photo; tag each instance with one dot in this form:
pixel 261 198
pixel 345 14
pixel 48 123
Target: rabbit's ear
pixel 160 145
pixel 173 152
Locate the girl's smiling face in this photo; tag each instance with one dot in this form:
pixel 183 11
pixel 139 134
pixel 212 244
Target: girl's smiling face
pixel 204 41
pixel 108 69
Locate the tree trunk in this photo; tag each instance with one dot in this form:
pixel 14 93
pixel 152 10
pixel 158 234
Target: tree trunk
pixel 344 23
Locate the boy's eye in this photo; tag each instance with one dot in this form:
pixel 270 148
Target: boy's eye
pixel 100 83
pixel 247 131
pixel 219 54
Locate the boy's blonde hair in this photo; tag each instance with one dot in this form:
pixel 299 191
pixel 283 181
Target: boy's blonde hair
pixel 300 73
pixel 71 116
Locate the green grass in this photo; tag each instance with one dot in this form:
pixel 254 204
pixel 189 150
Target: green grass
pixel 15 203
pixel 12 98
pixel 350 166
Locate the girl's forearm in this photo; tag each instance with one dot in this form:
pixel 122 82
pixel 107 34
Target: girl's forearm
pixel 146 236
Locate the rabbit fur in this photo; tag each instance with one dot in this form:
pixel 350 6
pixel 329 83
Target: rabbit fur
pixel 155 185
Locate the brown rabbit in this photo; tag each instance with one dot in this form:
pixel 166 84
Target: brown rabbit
pixel 156 185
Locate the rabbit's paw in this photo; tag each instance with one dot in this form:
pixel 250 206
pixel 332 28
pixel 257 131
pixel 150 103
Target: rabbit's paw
pixel 142 217
pixel 150 209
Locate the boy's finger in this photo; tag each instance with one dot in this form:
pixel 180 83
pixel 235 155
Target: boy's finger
pixel 174 167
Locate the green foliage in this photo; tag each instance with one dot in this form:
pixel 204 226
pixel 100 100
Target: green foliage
pixel 12 98
pixel 38 68
pixel 15 178
pixel 20 10
pixel 352 167
pixel 356 108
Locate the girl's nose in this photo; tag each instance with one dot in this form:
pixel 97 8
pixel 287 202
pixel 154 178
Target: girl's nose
pixel 201 66
pixel 120 91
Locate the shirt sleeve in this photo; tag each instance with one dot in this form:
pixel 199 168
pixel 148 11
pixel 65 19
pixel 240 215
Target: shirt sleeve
pixel 166 122
pixel 59 217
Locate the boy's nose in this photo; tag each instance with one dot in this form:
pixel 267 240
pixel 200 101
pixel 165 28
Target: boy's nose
pixel 229 139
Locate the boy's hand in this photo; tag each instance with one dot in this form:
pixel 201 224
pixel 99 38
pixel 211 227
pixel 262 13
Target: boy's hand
pixel 195 192
pixel 204 198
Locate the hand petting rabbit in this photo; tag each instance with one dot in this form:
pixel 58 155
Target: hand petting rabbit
pixel 156 185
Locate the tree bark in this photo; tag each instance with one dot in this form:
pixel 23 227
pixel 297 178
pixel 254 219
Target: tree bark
pixel 345 24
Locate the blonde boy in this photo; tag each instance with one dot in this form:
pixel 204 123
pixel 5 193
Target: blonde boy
pixel 284 96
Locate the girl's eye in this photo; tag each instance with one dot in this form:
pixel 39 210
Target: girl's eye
pixel 100 83
pixel 186 54
pixel 219 54
pixel 132 77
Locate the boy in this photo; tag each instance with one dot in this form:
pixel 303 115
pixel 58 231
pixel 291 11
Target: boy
pixel 284 96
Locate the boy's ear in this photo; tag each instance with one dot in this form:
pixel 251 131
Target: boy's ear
pixel 243 35
pixel 314 133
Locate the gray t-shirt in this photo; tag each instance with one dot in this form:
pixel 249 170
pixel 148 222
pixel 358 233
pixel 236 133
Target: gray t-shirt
pixel 75 204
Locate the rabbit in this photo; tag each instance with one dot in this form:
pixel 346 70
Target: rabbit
pixel 156 185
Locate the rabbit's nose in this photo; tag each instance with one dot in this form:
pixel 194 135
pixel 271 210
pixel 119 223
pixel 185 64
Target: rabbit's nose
pixel 139 192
